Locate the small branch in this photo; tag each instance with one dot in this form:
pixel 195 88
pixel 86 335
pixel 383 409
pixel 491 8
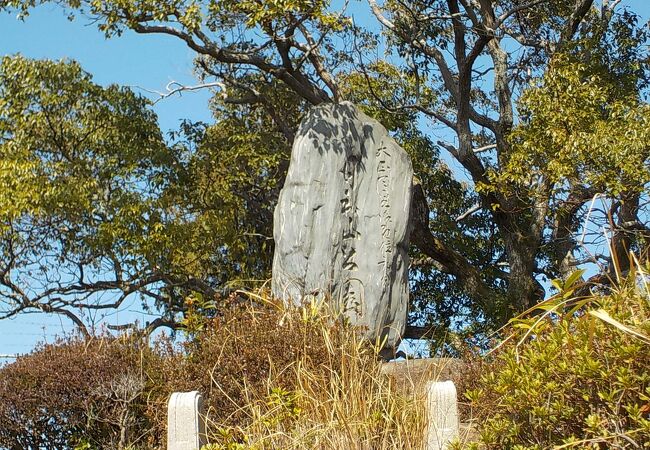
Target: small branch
pixel 426 261
pixel 380 15
pixel 581 10
pixel 311 53
pixel 503 17
pixel 161 322
pixel 295 80
pixel 123 327
pixel 469 212
pixel 70 315
pixel 174 87
pixel 450 261
pixel 450 148
pixel 485 148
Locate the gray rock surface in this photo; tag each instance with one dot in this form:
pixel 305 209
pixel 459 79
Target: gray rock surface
pixel 341 224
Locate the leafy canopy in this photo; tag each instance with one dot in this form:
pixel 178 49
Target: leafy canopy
pixel 94 199
pixel 537 106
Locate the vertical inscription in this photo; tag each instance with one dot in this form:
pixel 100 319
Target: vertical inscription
pixel 385 220
pixel 349 211
pixel 341 224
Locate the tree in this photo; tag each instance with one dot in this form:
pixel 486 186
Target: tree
pixel 501 77
pixel 72 157
pixel 96 202
pixel 514 42
pixel 97 206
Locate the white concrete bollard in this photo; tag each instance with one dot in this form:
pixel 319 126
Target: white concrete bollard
pixel 185 421
pixel 442 414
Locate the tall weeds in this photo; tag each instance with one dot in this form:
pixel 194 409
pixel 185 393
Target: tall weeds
pixel 337 400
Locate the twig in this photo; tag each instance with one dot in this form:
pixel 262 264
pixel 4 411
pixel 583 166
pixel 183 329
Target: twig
pixel 171 90
pixel 469 212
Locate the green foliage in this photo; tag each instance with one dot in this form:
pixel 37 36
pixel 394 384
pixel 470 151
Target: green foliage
pixel 219 16
pixel 90 188
pixel 264 13
pixel 196 308
pixel 284 406
pixel 534 146
pixel 212 188
pixel 82 169
pixel 69 146
pixel 578 126
pixel 575 381
pixel 584 120
pixel 228 185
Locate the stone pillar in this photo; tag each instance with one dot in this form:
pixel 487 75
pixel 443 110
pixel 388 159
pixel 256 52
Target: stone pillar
pixel 341 226
pixel 185 421
pixel 442 414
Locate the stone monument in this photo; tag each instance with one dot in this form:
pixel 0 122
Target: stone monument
pixel 341 226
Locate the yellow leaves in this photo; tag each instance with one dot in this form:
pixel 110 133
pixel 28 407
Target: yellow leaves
pixel 192 17
pixel 264 12
pixel 11 206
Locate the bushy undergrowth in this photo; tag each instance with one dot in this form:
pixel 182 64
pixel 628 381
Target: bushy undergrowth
pixel 83 393
pixel 271 378
pixel 277 378
pixel 575 379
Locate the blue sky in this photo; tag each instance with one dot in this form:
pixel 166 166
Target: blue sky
pixel 147 61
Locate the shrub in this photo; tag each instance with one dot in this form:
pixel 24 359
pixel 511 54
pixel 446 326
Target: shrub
pixel 84 393
pixel 271 377
pixel 274 378
pixel 573 379
pixel 237 353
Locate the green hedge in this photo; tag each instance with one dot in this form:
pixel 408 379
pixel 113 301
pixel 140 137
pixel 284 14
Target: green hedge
pixel 571 380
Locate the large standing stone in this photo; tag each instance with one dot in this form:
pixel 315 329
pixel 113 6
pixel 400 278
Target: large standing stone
pixel 341 223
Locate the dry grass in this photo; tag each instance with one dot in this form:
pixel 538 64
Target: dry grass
pixel 271 378
pixel 342 400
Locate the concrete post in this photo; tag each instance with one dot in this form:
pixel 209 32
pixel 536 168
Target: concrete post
pixel 185 421
pixel 442 414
